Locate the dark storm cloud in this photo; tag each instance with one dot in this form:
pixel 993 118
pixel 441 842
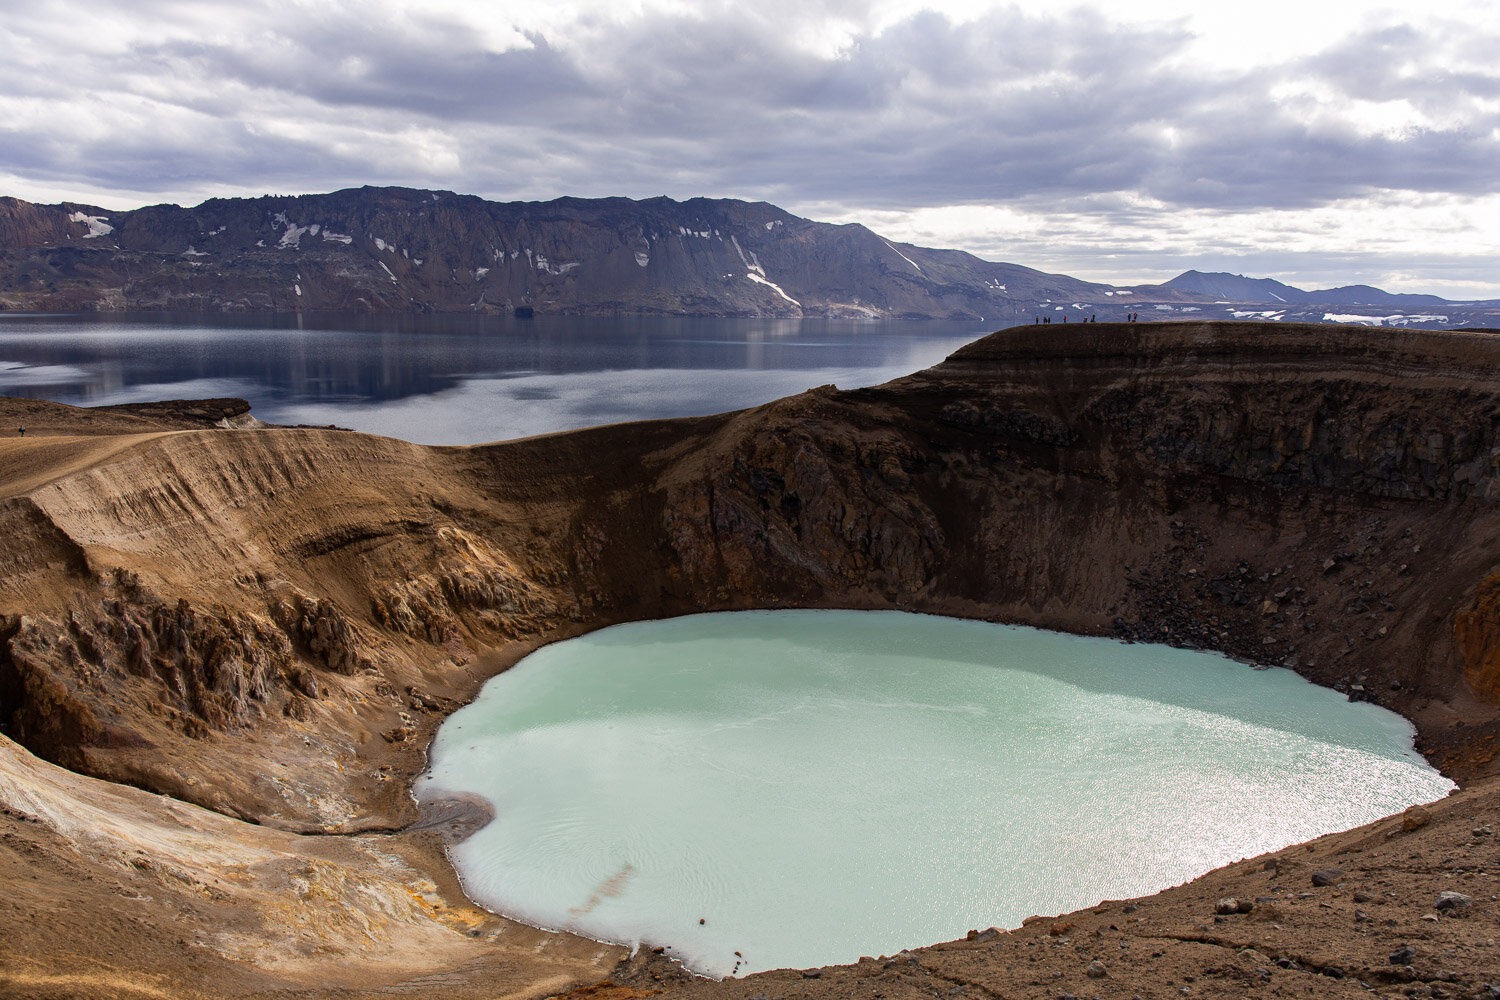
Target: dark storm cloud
pixel 1010 107
pixel 924 113
pixel 1407 63
pixel 341 66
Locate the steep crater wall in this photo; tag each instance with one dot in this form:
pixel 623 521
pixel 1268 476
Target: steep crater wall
pixel 1318 497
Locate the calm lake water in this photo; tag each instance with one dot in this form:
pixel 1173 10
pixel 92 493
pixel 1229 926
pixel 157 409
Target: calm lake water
pixel 795 788
pixel 459 379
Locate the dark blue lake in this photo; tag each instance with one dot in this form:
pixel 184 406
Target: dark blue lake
pixel 458 379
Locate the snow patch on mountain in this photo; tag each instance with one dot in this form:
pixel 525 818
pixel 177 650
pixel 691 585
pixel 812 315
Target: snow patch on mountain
pixel 98 225
pixel 752 262
pixel 903 256
pixel 1399 319
pixel 293 236
pixel 760 279
pixel 544 265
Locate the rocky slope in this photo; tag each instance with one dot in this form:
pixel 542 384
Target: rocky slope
pixel 394 250
pixel 268 623
pixel 398 250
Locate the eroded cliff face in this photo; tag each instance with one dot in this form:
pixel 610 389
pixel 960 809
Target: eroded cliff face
pixel 270 622
pixel 184 600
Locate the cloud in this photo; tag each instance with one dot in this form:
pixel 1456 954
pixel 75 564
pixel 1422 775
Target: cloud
pixel 1401 242
pixel 873 107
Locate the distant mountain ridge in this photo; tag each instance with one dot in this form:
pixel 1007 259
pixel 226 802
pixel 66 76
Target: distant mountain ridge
pixel 395 249
pixel 1226 287
pixel 388 250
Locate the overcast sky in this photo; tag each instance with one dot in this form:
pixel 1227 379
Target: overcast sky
pixel 1323 142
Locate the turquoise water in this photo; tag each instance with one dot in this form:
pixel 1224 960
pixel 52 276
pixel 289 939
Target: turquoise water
pixel 758 790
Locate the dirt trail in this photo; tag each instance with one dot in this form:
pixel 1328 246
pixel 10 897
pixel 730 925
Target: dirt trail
pixel 31 462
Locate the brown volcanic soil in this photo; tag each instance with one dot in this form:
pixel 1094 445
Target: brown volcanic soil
pixel 233 642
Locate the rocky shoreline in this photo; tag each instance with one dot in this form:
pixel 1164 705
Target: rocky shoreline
pixel 224 648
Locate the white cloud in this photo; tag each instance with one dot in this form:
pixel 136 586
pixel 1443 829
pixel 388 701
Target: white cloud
pixel 1396 240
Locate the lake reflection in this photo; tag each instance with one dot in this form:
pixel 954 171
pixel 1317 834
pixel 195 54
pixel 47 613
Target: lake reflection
pixel 459 379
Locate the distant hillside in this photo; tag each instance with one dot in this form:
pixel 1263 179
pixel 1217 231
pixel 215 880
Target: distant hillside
pixel 392 249
pixel 397 250
pixel 1224 287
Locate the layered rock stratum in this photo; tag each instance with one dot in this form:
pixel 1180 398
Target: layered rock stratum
pixel 224 647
